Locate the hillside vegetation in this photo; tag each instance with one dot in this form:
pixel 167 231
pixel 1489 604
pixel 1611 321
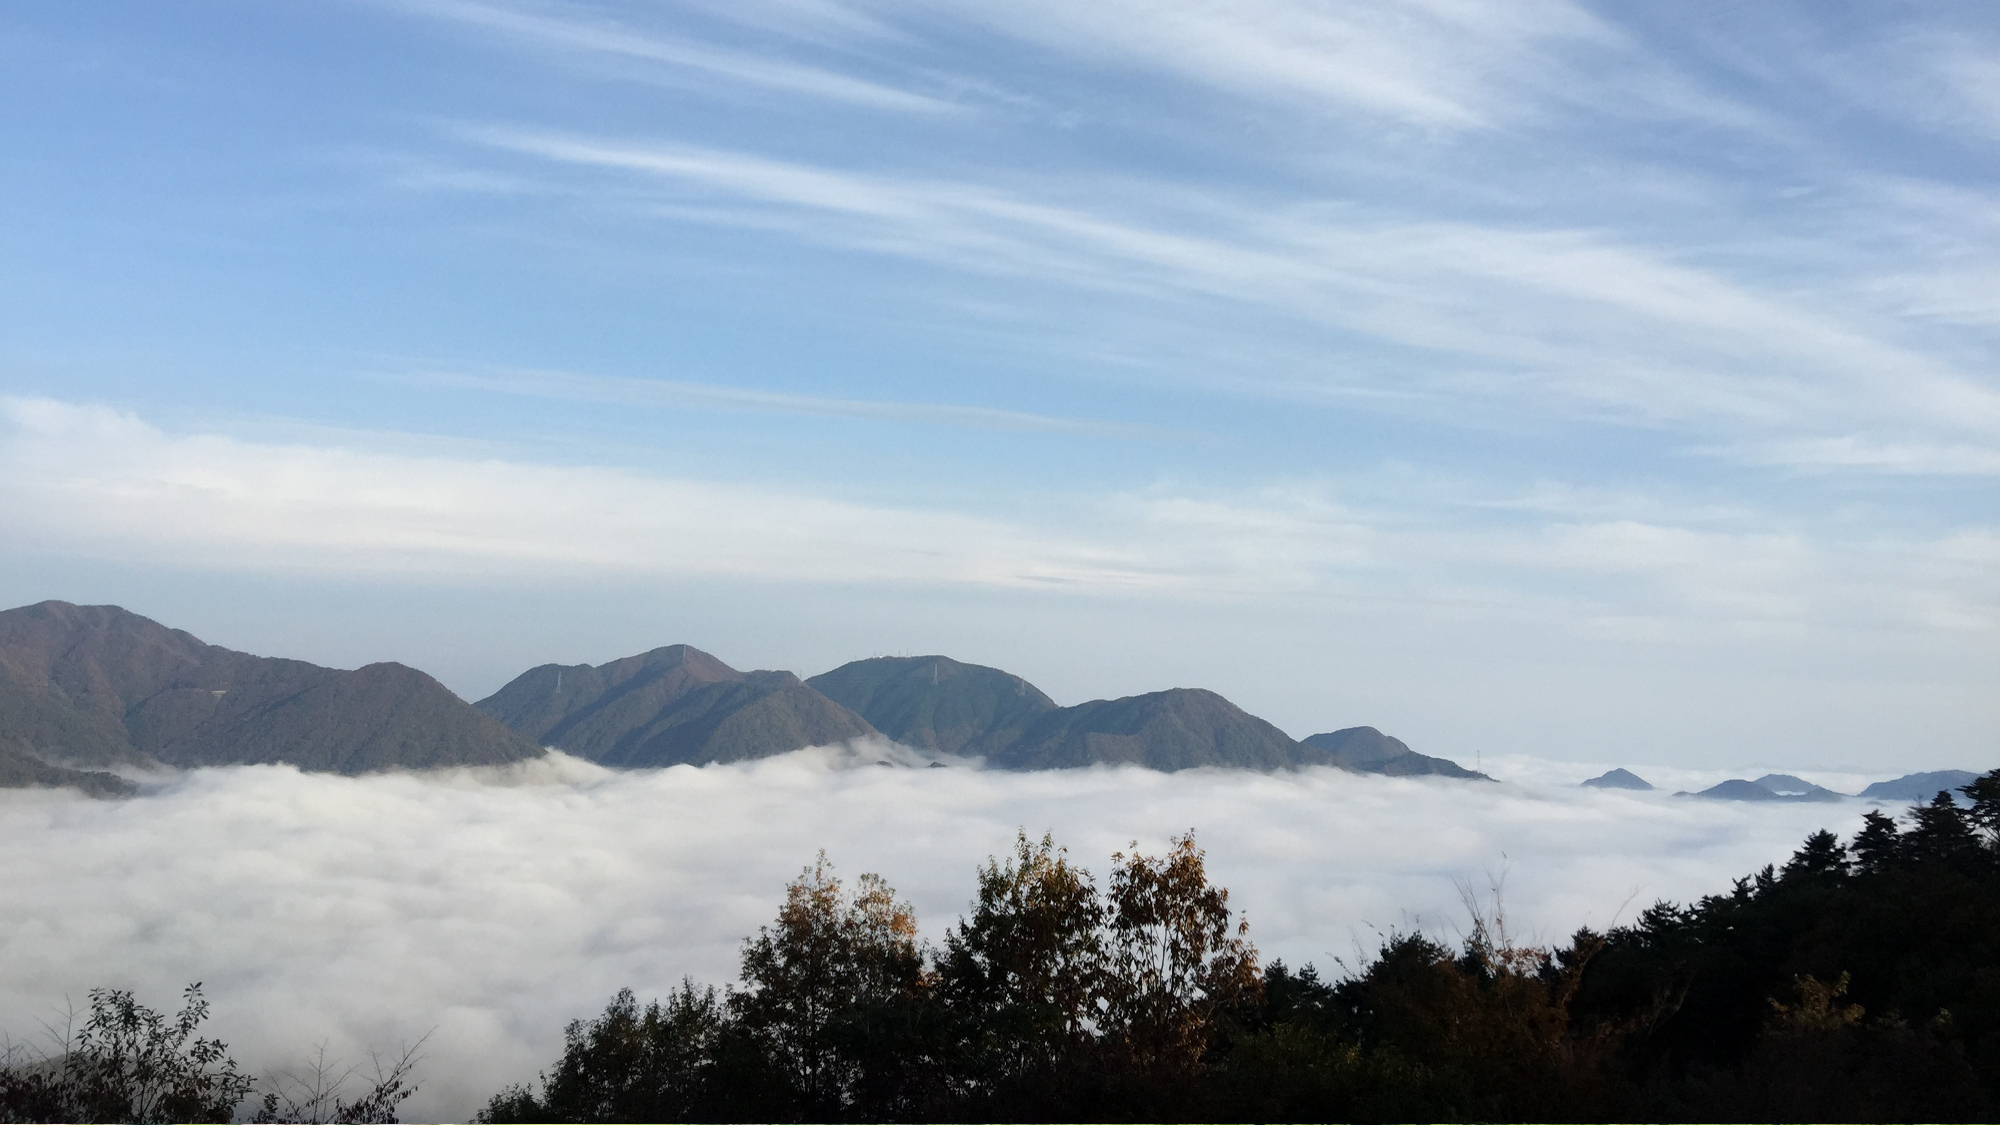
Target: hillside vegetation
pixel 1860 981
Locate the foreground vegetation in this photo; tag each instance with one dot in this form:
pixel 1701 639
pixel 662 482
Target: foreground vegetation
pixel 128 1063
pixel 1858 981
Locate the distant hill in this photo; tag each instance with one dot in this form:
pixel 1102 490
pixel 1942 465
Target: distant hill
pixel 1737 789
pixel 1787 785
pixel 1619 779
pixel 1367 750
pixel 1919 786
pixel 89 687
pixel 935 702
pixel 1164 730
pixel 671 706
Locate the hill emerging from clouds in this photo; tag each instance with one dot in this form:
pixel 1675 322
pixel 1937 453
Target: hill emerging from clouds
pixel 935 702
pixel 1367 750
pixel 1182 728
pixel 84 689
pixel 671 706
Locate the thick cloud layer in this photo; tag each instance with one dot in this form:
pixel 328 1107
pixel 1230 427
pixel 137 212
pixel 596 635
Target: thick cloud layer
pixel 495 905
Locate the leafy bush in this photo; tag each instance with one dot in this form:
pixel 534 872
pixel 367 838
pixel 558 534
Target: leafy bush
pixel 129 1063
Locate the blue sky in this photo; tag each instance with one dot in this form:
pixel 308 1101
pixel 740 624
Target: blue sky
pixel 1610 382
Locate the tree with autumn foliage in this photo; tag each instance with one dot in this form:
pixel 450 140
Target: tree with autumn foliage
pixel 837 991
pixel 1180 972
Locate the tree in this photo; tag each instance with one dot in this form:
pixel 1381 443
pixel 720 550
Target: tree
pixel 313 1096
pixel 667 1062
pixel 1179 972
pixel 1942 832
pixel 1021 977
pixel 834 991
pixel 1822 856
pixel 1984 793
pixel 1876 846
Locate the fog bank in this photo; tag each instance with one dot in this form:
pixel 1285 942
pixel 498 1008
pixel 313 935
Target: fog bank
pixel 495 905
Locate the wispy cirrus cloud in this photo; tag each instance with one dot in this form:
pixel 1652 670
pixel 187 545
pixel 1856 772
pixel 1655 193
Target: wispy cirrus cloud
pixel 570 31
pixel 674 393
pixel 1431 65
pixel 1782 344
pixel 1851 452
pixel 1573 318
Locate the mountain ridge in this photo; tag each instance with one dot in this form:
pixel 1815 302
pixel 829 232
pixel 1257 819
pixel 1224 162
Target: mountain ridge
pixel 89 689
pixel 673 705
pixel 1176 729
pixel 936 703
pixel 1367 750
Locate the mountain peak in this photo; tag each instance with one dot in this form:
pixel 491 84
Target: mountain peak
pixel 667 706
pixel 1176 729
pixel 1367 750
pixel 934 702
pixel 1619 779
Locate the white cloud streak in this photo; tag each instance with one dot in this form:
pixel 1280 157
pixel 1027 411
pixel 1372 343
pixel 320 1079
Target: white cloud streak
pixel 670 393
pixel 606 39
pixel 101 481
pixel 494 906
pixel 1434 64
pixel 1856 452
pixel 106 484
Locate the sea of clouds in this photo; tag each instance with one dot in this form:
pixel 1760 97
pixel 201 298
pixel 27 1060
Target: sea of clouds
pixel 488 907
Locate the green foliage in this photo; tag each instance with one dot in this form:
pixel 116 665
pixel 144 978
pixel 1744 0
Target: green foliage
pixel 128 1063
pixel 1905 920
pixel 682 1060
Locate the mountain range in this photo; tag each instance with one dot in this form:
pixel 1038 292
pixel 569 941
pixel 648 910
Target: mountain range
pixel 89 694
pixel 680 705
pixel 1786 787
pixel 1919 786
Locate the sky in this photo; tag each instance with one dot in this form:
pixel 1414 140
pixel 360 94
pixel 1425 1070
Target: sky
pixel 364 914
pixel 1605 383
